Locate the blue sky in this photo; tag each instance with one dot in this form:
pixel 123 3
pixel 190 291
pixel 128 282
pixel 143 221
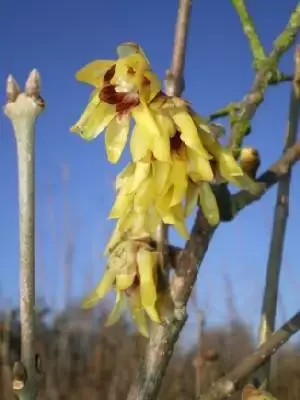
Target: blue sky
pixel 58 38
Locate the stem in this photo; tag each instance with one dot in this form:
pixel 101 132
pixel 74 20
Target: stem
pixel 180 40
pixel 269 307
pixel 225 386
pixel 23 110
pixel 25 152
pixel 249 30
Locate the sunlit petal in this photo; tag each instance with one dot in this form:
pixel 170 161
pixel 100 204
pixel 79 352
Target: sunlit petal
pixel 147 262
pixel 144 196
pixel 189 131
pixel 199 167
pixel 143 116
pixel 117 310
pixel 140 142
pixel 149 91
pixel 138 314
pixel 128 48
pixel 115 138
pixel 124 281
pixel 142 170
pixel 121 204
pixel 209 204
pixel 93 72
pixel 179 178
pixel 192 195
pixel 90 126
pixel 179 221
pixel 161 143
pixel 101 289
pixel 125 175
pixel 161 173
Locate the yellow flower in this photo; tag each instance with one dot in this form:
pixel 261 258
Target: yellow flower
pixel 151 190
pixel 123 88
pixel 148 193
pixel 224 167
pixel 224 162
pixel 132 271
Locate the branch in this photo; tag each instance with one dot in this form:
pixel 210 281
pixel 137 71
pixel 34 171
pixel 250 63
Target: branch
pixel 249 30
pixel 23 109
pixel 252 100
pixel 225 386
pixel 269 307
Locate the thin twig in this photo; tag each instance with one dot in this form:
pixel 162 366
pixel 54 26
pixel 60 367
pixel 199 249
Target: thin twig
pixel 23 109
pixel 269 307
pixel 251 102
pixel 225 386
pixel 249 30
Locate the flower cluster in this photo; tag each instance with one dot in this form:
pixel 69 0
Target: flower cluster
pixel 175 159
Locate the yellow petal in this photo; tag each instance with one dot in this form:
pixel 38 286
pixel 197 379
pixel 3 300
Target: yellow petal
pixel 142 170
pixel 231 171
pixel 89 127
pixel 101 289
pixel 115 138
pixel 199 167
pixel 125 65
pixel 124 176
pixel 122 203
pixel 246 183
pixel 144 196
pixel 152 220
pixel 121 227
pixel 161 172
pixel 228 166
pixel 128 48
pixel 179 222
pixel 191 198
pixel 148 92
pixel 117 310
pixel 179 179
pixel 163 203
pixel 202 123
pixel 189 131
pixel 161 143
pixel 209 204
pixel 124 281
pixel 122 259
pixel 137 313
pixel 140 142
pixel 143 116
pixel 147 262
pixel 172 215
pixel 94 101
pixel 93 72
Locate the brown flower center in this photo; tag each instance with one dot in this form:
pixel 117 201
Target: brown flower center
pixel 124 102
pixel 175 142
